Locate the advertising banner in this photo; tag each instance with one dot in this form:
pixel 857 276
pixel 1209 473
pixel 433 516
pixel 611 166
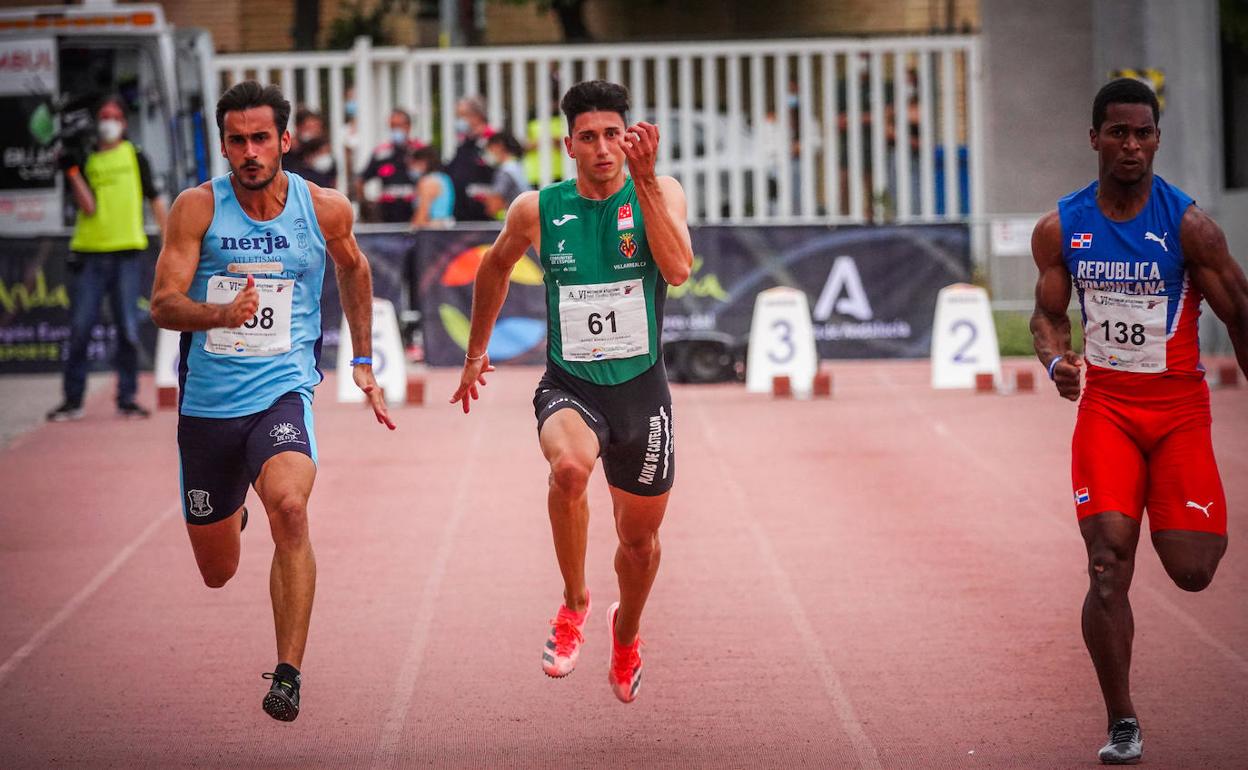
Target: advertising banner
pixel 872 290
pixel 35 289
pixel 447 264
pixel 30 198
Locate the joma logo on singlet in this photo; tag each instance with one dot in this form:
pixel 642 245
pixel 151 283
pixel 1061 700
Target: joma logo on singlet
pixel 265 244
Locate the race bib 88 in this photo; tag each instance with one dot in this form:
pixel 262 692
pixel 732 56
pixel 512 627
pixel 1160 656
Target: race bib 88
pixel 267 333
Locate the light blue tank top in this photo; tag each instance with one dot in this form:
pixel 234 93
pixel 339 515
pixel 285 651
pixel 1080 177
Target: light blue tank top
pixel 223 385
pixel 443 206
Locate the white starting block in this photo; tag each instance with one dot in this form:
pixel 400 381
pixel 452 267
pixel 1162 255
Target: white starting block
pixel 782 342
pixel 168 358
pixel 964 338
pixel 389 363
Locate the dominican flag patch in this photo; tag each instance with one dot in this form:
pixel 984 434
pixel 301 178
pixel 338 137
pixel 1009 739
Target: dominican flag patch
pixel 1081 241
pixel 1082 496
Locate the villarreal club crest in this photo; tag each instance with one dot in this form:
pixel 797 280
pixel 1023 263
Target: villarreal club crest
pixel 628 245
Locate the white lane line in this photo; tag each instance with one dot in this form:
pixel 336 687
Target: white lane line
pixel 77 600
pixel 1195 626
pixel 868 757
pixel 386 754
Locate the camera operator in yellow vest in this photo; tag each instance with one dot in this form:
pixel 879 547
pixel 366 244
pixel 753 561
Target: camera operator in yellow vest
pixel 106 256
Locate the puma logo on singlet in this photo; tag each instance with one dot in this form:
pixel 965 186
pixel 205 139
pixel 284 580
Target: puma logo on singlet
pixel 1148 236
pixel 563 220
pixel 1202 508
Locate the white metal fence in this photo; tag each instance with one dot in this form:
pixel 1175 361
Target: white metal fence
pixel 769 131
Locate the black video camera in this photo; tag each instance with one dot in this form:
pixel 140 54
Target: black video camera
pixel 75 138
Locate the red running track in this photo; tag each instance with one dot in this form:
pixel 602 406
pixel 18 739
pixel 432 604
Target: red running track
pixel 888 579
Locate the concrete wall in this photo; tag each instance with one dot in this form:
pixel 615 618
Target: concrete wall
pixel 1037 101
pixel 1180 39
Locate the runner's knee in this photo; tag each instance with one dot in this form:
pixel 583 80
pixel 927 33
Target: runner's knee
pixel 1110 572
pixel 570 474
pixel 641 550
pixel 289 520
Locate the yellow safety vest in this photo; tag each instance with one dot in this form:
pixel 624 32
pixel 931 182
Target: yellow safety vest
pixel 117 224
pixel 532 161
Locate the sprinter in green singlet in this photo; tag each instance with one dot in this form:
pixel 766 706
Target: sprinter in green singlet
pixel 610 243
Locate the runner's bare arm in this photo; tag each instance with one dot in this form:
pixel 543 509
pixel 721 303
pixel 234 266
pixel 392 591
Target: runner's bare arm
pixel 1050 324
pixel 663 205
pixel 1217 275
pixel 520 230
pixel 176 265
pixel 355 288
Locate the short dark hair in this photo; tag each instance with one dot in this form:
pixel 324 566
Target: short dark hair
pixel 248 94
pixel 1123 91
pixel 114 99
pixel 508 142
pixel 304 114
pixel 594 96
pixel 430 155
pixel 402 113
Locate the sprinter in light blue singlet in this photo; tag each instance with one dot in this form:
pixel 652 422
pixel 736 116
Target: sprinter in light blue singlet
pixel 233 372
pixel 240 274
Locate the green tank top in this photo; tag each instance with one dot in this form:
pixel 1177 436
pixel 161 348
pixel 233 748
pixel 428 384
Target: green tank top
pixel 604 292
pixel 117 224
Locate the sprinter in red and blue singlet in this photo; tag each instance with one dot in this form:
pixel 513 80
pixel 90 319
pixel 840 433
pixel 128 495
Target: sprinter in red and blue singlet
pixel 1141 256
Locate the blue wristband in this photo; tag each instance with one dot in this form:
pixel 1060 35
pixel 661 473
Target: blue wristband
pixel 1053 365
pixel 361 360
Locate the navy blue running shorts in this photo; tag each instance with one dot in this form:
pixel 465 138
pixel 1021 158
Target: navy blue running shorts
pixel 633 422
pixel 222 457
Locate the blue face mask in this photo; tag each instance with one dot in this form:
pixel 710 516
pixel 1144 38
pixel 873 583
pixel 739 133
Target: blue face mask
pixel 792 101
pixel 398 136
pixel 350 107
pixel 461 126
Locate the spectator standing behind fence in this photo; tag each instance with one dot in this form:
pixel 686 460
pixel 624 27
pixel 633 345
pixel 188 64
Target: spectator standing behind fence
pixel 468 170
pixel 105 255
pixel 312 156
pixel 387 188
pixel 435 193
pixel 502 153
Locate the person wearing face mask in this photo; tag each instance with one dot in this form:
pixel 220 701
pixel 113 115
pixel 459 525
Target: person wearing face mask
pixel 468 167
pixel 106 249
pixel 316 163
pixel 387 188
pixel 435 193
pixel 502 153
pixel 312 157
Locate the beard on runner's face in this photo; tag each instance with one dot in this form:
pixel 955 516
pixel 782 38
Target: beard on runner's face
pixel 251 175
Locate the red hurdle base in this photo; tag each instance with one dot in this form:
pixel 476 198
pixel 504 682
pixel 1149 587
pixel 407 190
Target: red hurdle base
pixel 781 386
pixel 822 386
pixel 166 398
pixel 415 390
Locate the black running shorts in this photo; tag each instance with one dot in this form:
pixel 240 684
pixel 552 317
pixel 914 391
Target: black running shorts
pixel 633 422
pixel 222 457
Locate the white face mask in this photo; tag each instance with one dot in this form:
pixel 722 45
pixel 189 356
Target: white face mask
pixel 111 130
pixel 323 163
